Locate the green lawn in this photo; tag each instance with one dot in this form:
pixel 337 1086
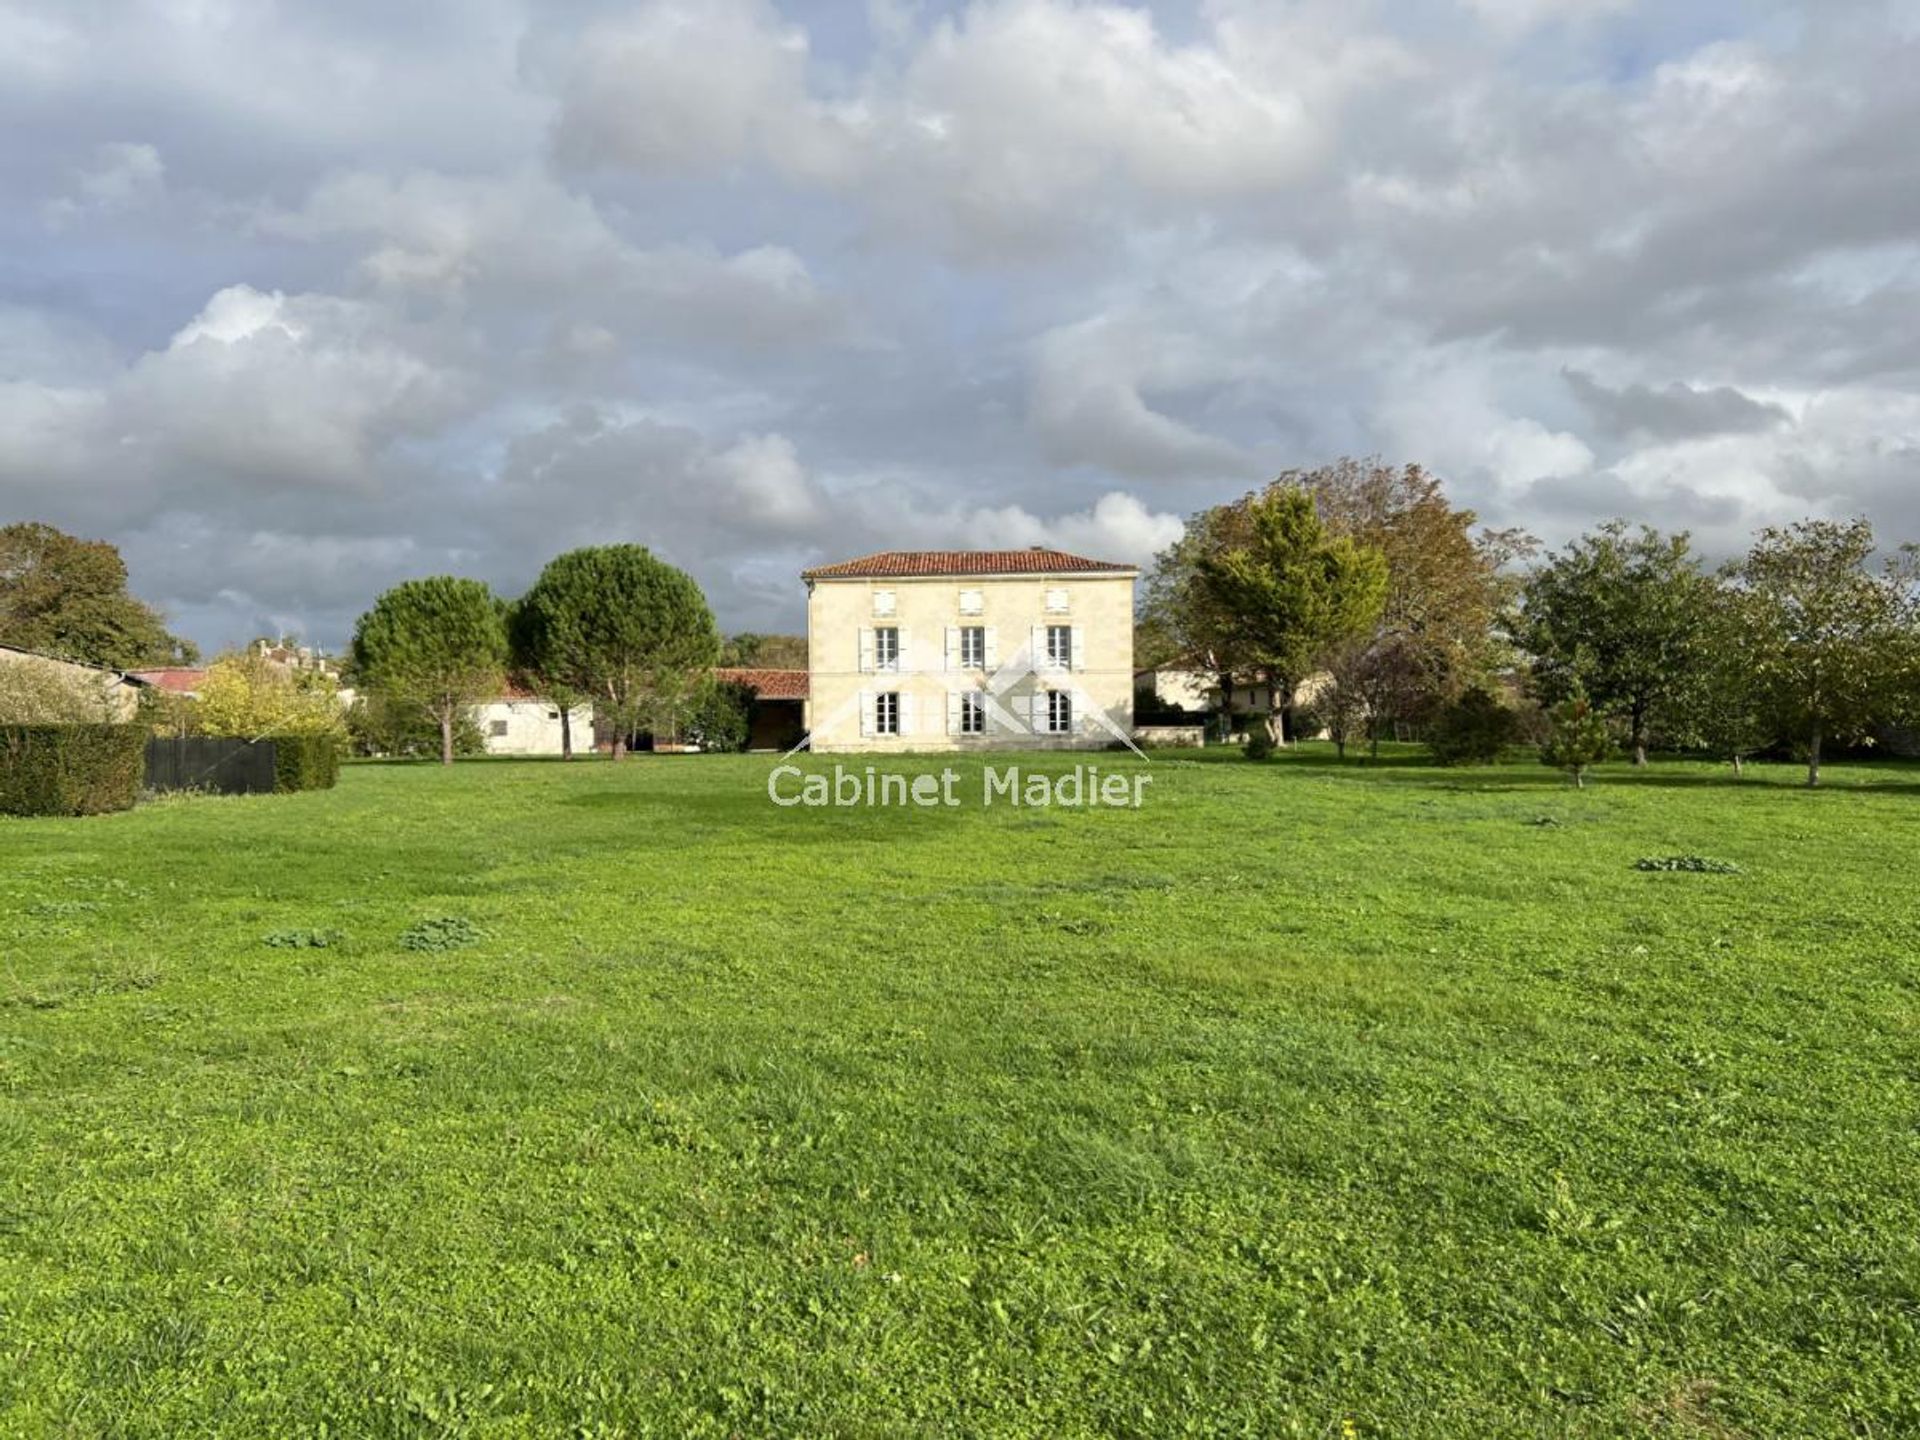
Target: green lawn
pixel 1308 1099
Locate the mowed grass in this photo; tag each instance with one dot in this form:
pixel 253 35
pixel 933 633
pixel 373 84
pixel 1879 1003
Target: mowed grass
pixel 1309 1099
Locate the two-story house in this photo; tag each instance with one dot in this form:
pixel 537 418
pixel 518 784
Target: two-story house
pixel 969 649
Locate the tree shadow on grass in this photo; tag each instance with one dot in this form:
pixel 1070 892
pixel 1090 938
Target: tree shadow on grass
pixel 1521 772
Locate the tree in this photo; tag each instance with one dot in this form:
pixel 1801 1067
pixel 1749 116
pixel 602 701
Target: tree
pixel 1446 585
pixel 1447 589
pixel 1727 714
pixel 618 624
pixel 248 697
pixel 1181 618
pixel 1289 591
pixel 64 596
pixel 1619 615
pixel 750 651
pixel 1576 737
pixel 438 645
pixel 1829 641
pixel 1384 678
pixel 530 660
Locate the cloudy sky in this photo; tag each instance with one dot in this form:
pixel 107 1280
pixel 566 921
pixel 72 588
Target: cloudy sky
pixel 300 299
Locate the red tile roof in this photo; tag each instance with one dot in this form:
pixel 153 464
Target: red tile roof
pixel 175 681
pixel 768 684
pixel 909 564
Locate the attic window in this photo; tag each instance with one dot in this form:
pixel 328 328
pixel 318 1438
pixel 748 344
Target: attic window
pixel 884 602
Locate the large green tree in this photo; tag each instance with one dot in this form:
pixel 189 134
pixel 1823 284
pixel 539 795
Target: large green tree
pixel 1620 614
pixel 617 623
pixel 1440 623
pixel 437 645
pixel 1289 592
pixel 1828 637
pixel 65 596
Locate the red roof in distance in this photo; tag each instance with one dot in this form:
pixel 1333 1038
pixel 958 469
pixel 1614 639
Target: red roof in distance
pixel 767 684
pixel 915 564
pixel 175 680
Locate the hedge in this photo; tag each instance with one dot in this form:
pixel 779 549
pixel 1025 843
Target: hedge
pixel 305 762
pixel 71 769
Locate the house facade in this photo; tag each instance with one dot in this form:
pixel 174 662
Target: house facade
pixel 30 680
pixel 969 650
pixel 518 723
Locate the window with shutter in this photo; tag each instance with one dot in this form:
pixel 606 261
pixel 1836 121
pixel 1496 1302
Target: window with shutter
pixel 1056 602
pixel 973 602
pixel 1059 646
pixel 886 647
pixel 973 647
pixel 886 713
pixel 884 602
pixel 973 712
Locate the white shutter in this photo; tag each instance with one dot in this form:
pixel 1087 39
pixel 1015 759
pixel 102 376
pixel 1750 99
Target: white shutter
pixel 1038 643
pixel 953 647
pixel 905 701
pixel 953 712
pixel 867 724
pixel 903 657
pixel 1079 652
pixel 866 648
pixel 1037 712
pixel 993 648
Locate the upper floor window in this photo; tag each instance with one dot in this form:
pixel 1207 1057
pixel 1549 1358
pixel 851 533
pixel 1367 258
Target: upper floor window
pixel 973 602
pixel 885 602
pixel 1060 646
pixel 973 647
pixel 886 649
pixel 1056 602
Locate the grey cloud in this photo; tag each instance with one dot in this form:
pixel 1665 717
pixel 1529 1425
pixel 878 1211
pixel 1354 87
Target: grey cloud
pixel 297 301
pixel 1674 411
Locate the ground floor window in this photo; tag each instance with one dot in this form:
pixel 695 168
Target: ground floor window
pixel 497 729
pixel 1059 712
pixel 886 713
pixel 973 713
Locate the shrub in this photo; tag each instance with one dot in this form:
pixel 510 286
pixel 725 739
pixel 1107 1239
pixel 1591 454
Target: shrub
pixel 1686 865
pixel 719 718
pixel 1259 744
pixel 71 769
pixel 1473 730
pixel 443 932
pixel 305 762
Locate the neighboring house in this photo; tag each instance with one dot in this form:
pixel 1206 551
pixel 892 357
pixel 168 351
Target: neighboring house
pixel 174 680
pixel 116 693
pixel 969 649
pixel 521 723
pixel 777 715
pixel 1176 689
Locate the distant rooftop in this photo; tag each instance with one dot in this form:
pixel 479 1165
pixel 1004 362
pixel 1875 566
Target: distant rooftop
pixel 767 684
pixel 911 564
